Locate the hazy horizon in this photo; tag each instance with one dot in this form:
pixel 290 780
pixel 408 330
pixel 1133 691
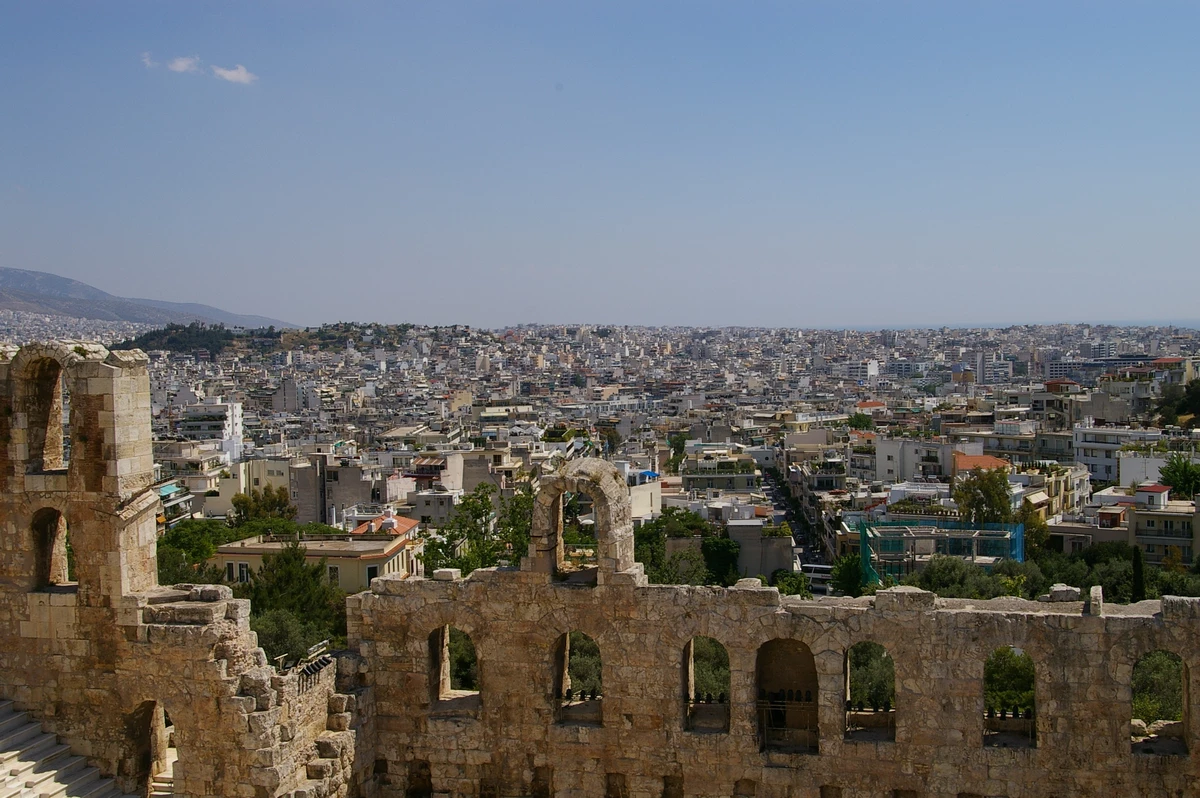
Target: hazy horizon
pixel 818 165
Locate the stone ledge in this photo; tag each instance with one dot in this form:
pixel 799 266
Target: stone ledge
pixel 904 599
pixel 1180 608
pixel 183 614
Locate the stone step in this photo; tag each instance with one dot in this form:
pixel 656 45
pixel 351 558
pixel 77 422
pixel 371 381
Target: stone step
pixel 13 720
pixel 20 737
pixel 34 764
pixel 55 772
pixel 41 759
pixel 30 750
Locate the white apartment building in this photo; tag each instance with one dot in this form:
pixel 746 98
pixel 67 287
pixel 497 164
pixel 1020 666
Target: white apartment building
pixel 1098 447
pixel 214 420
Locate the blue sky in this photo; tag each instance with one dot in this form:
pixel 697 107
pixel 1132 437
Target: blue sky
pixel 844 164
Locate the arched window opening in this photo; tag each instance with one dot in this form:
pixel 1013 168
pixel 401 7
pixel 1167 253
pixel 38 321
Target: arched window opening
pixel 1158 720
pixel 579 562
pixel 706 685
pixel 149 766
pixel 454 670
pixel 787 697
pixel 52 565
pixel 48 446
pixel 870 693
pixel 1009 701
pixel 578 688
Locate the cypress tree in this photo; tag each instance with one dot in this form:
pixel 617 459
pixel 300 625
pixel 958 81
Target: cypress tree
pixel 1139 575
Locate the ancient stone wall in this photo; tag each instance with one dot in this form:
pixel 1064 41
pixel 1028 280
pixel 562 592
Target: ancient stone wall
pixel 515 740
pixel 108 658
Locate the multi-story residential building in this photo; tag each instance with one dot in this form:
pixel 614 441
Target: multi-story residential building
pixel 199 464
pixel 719 468
pixel 905 459
pixel 1157 524
pixel 1097 447
pixel 214 420
pixel 351 560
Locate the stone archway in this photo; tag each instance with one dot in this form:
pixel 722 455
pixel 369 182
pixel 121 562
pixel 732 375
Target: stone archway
pixel 613 521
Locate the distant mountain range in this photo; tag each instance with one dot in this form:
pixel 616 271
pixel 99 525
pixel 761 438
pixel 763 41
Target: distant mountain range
pixel 39 292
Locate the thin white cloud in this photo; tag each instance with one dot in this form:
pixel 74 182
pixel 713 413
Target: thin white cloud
pixel 189 63
pixel 239 74
pixel 148 61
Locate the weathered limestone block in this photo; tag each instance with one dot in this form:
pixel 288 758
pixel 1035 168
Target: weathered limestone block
pixel 1180 608
pixel 904 598
pixel 1061 592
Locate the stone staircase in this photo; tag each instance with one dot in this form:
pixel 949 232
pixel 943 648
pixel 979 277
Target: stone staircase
pixel 163 784
pixel 34 764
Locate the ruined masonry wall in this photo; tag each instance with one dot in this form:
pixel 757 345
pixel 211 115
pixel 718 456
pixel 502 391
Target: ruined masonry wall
pixel 1084 665
pixel 98 659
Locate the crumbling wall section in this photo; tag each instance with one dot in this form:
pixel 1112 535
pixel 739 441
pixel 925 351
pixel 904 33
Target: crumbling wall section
pixel 1084 666
pixel 103 659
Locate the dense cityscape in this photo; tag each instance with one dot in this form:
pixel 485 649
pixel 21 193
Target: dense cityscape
pixel 599 400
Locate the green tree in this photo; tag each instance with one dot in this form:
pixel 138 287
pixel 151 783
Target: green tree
pixel 791 583
pixel 1172 561
pixel 184 551
pixel 1168 404
pixel 514 523
pixel 1008 680
pixel 584 665
pixel 1190 403
pixel 710 667
pixel 262 504
pixel 1181 474
pixel 721 558
pixel 954 577
pixel 861 421
pixel 1158 687
pixel 468 540
pixel 464 666
pixel 686 567
pixel 1037 531
pixel 281 632
pixel 678 443
pixel 983 498
pixel 872 676
pixel 846 575
pixel 650 549
pixel 288 581
pixel 1138 592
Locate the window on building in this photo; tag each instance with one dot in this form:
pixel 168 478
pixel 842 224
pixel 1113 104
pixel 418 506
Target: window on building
pixel 706 685
pixel 45 404
pixel 51 541
pixel 229 575
pixel 243 572
pixel 787 696
pixel 454 671
pixel 1159 701
pixel 335 576
pixel 578 683
pixel 1009 699
pixel 871 693
pixel 372 572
